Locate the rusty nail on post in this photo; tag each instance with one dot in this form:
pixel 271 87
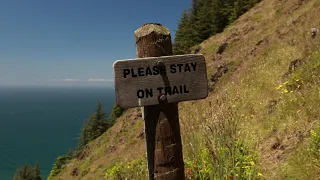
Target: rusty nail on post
pixel 161 67
pixel 162 98
pixel 160 63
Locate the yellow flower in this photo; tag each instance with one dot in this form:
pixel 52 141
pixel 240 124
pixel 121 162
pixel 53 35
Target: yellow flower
pixel 279 87
pixel 252 163
pixel 260 175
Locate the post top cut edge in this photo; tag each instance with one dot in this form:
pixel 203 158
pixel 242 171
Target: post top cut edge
pixel 160 57
pixel 151 27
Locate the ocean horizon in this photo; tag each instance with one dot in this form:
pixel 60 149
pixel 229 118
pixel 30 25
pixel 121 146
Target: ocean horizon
pixel 40 123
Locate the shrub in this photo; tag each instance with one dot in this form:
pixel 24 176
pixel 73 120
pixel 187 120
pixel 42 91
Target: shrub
pixel 59 165
pixel 224 162
pixel 117 111
pixel 133 170
pixel 85 172
pixel 314 147
pixel 220 151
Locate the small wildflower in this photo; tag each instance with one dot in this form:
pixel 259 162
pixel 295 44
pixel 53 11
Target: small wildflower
pixel 313 133
pixel 260 175
pixel 279 87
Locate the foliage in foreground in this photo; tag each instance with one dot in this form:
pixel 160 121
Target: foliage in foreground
pixel 28 172
pixel 314 148
pixel 135 170
pixel 302 94
pixel 234 162
pixel 219 151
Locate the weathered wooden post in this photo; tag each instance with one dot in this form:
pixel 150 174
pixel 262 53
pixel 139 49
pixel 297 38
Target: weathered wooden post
pixel 164 148
pixel 157 84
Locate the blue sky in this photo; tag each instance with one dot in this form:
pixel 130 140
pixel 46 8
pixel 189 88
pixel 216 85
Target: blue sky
pixel 72 42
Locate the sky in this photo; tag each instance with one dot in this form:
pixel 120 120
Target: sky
pixel 74 42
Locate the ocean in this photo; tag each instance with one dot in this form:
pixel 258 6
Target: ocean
pixel 38 124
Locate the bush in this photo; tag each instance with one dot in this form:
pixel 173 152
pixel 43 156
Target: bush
pixel 224 162
pixel 314 147
pixel 85 172
pixel 220 151
pixel 133 170
pixel 59 165
pixel 117 111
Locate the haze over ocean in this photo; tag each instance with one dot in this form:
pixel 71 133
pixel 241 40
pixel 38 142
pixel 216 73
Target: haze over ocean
pixel 38 124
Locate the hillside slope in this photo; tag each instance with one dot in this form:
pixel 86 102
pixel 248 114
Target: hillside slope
pixel 264 100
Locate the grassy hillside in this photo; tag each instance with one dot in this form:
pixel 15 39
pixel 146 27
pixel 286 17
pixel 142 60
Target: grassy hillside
pixel 261 119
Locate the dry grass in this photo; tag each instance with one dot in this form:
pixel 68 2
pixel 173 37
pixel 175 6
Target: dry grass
pixel 112 146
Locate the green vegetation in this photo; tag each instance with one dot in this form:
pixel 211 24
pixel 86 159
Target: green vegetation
pixel 261 119
pixel 135 170
pixel 301 98
pixel 59 165
pixel 28 172
pixel 314 149
pixel 94 127
pixel 207 18
pixel 116 111
pixel 220 152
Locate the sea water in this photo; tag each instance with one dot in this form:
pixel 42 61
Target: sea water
pixel 38 124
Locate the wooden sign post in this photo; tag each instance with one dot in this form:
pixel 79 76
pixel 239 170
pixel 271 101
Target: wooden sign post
pixel 158 84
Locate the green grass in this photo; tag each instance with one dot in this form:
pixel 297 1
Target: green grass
pixel 300 107
pixel 135 170
pixel 278 12
pixel 220 152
